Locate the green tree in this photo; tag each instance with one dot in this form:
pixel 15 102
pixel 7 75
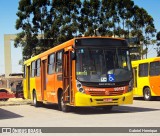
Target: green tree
pixel 158 36
pixel 58 21
pixel 23 22
pixel 126 13
pixel 143 28
pixel 65 16
pixel 85 23
pixel 158 43
pixel 105 19
pixel 89 19
pixel 40 24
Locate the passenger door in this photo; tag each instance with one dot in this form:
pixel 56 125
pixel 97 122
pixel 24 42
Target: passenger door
pixel 135 80
pixel 67 77
pixel 43 76
pixel 28 95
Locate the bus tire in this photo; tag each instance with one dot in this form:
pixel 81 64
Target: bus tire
pixel 61 105
pixel 35 102
pixel 147 94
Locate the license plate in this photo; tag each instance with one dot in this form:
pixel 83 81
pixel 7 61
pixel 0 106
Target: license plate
pixel 107 100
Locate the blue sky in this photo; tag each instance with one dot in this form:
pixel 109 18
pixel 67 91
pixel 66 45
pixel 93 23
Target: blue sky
pixel 8 10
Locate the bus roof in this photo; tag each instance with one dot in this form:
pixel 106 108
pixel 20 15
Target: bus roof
pixel 62 46
pixel 137 62
pixel 55 48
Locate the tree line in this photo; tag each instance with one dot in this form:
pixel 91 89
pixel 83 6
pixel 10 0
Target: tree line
pixel 57 21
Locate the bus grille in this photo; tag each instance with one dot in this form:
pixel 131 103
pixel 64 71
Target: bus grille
pixel 104 93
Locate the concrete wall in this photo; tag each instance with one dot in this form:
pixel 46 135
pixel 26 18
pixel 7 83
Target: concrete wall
pixel 7 53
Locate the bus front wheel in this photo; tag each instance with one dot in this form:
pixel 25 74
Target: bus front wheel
pixel 147 94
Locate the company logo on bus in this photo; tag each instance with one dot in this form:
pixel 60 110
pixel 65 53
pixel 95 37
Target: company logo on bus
pixel 106 92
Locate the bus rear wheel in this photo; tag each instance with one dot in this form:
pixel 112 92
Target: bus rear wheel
pixel 147 94
pixel 61 105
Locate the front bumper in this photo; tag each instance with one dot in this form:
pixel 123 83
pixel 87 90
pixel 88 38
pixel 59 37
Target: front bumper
pixel 83 100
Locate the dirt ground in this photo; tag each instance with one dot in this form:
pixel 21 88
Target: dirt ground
pixel 15 101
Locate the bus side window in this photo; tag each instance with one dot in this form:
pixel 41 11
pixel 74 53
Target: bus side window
pixel 59 61
pixel 33 67
pixel 135 76
pixel 51 64
pixel 154 68
pixel 38 66
pixel 143 70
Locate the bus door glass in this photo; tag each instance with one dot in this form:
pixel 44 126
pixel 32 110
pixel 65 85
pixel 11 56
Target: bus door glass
pixel 38 79
pixel 135 80
pixel 44 65
pixel 28 81
pixel 67 75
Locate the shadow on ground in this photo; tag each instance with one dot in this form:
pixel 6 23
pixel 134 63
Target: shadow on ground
pixel 4 114
pixel 155 98
pixel 94 110
pixel 115 110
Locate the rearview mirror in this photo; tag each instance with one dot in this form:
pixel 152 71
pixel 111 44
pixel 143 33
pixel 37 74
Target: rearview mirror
pixel 73 55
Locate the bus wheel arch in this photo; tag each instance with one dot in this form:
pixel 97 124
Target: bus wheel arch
pixel 61 105
pixel 147 93
pixel 34 98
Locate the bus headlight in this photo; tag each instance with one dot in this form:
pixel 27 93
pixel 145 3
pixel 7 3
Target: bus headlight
pixel 130 86
pixel 79 87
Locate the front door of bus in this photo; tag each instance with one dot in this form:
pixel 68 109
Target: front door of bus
pixel 28 82
pixel 67 76
pixel 135 80
pixel 43 84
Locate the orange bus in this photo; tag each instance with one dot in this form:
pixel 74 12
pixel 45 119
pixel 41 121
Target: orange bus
pixel 146 78
pixel 82 72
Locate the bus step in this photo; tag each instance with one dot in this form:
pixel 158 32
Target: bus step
pixel 66 101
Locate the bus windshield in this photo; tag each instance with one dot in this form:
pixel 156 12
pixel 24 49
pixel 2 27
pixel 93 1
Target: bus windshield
pixel 103 65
